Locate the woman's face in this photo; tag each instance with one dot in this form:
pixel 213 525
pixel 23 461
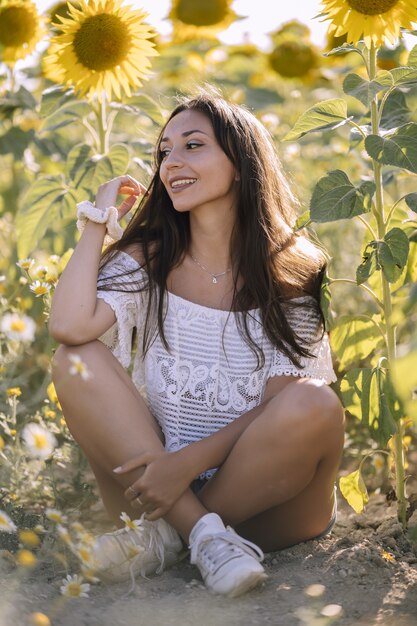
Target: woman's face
pixel 195 171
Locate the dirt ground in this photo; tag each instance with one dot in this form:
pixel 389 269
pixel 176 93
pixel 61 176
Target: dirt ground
pixel 368 567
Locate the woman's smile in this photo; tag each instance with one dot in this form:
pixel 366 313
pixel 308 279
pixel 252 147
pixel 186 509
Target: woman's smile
pixel 178 184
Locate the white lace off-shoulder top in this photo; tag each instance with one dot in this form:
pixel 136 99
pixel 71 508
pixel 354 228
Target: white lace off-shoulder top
pixel 209 376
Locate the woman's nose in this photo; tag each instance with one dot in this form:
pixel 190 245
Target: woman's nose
pixel 172 159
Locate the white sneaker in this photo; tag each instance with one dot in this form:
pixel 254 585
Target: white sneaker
pixel 229 564
pixel 148 549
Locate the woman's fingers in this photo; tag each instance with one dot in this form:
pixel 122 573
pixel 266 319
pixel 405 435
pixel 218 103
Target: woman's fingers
pixel 156 514
pixel 137 461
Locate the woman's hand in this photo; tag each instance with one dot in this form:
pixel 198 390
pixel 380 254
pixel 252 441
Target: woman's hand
pixel 167 475
pixel 121 185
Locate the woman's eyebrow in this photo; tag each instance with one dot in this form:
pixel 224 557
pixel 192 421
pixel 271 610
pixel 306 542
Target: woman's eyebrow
pixel 186 134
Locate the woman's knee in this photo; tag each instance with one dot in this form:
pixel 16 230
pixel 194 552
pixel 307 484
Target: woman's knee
pixel 313 402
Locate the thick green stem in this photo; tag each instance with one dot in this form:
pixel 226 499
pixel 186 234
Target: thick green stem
pixel 378 211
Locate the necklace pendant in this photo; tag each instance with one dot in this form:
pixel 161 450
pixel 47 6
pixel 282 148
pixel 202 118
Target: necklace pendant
pixel 214 280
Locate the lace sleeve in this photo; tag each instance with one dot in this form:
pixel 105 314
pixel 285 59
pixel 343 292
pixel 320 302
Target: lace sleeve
pixel 304 322
pixel 117 284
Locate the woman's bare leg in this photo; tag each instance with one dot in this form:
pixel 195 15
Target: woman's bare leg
pixel 109 419
pixel 276 486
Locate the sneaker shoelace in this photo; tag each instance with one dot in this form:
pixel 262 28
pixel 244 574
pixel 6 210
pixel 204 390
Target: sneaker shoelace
pixel 155 544
pixel 223 546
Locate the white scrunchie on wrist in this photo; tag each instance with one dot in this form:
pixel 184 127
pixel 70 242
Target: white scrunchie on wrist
pixel 87 211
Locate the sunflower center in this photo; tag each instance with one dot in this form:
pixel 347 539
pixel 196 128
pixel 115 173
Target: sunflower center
pixel 202 13
pixel 372 7
pixel 102 42
pixel 17 26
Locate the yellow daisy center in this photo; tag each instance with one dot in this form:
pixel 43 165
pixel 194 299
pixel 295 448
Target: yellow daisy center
pixel 40 442
pixel 202 13
pixel 102 42
pixel 17 26
pixel 372 7
pixel 74 589
pixel 18 325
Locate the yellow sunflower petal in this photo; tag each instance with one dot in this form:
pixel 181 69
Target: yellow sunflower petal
pixel 371 20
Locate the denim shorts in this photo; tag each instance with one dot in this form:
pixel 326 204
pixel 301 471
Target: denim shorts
pixel 199 483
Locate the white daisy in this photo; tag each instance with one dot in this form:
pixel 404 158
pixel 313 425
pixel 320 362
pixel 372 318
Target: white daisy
pixel 79 367
pixel 6 524
pixel 129 523
pixel 55 516
pixel 25 264
pixel 39 441
pixel 73 587
pixel 40 288
pixel 18 327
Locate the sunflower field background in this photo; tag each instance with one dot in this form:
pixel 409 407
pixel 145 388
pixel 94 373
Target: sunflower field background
pixel 84 90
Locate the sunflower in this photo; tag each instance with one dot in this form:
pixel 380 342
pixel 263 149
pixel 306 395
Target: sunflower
pixel 103 47
pixel 374 21
pixel 205 18
pixel 293 58
pixel 21 28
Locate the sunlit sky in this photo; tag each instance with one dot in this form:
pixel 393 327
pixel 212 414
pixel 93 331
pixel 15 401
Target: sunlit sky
pixel 261 17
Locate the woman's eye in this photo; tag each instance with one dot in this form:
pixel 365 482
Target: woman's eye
pixel 193 144
pixel 164 152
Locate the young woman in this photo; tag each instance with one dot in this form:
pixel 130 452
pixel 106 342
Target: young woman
pixel 224 435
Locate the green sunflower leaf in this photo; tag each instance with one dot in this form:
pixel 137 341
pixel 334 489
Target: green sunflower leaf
pixel 412 58
pixel 353 489
pixel 369 264
pixel 88 170
pixel 336 198
pixel 15 141
pixel 395 112
pixel 355 338
pixel 399 148
pixel 322 116
pixel 346 47
pixel 365 90
pixel 46 201
pixel 69 113
pixel 404 75
pixel 393 253
pixel 54 98
pixel 404 376
pixel 411 200
pixel 369 395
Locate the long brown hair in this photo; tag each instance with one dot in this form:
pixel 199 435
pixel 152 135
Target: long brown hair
pixel 274 262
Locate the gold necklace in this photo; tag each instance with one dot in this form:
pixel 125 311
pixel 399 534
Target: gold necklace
pixel 213 276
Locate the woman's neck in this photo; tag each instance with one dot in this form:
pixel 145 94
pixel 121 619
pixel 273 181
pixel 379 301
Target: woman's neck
pixel 210 240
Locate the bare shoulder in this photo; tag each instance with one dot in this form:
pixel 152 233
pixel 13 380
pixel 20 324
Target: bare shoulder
pixel 135 250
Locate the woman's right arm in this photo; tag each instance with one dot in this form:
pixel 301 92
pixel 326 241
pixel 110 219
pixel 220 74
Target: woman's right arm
pixel 77 315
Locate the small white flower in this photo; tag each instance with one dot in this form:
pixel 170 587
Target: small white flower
pixel 79 367
pixel 25 264
pixel 55 516
pixel 63 534
pixel 6 524
pixel 129 523
pixel 40 288
pixel 18 327
pixel 40 272
pixel 73 587
pixel 39 441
